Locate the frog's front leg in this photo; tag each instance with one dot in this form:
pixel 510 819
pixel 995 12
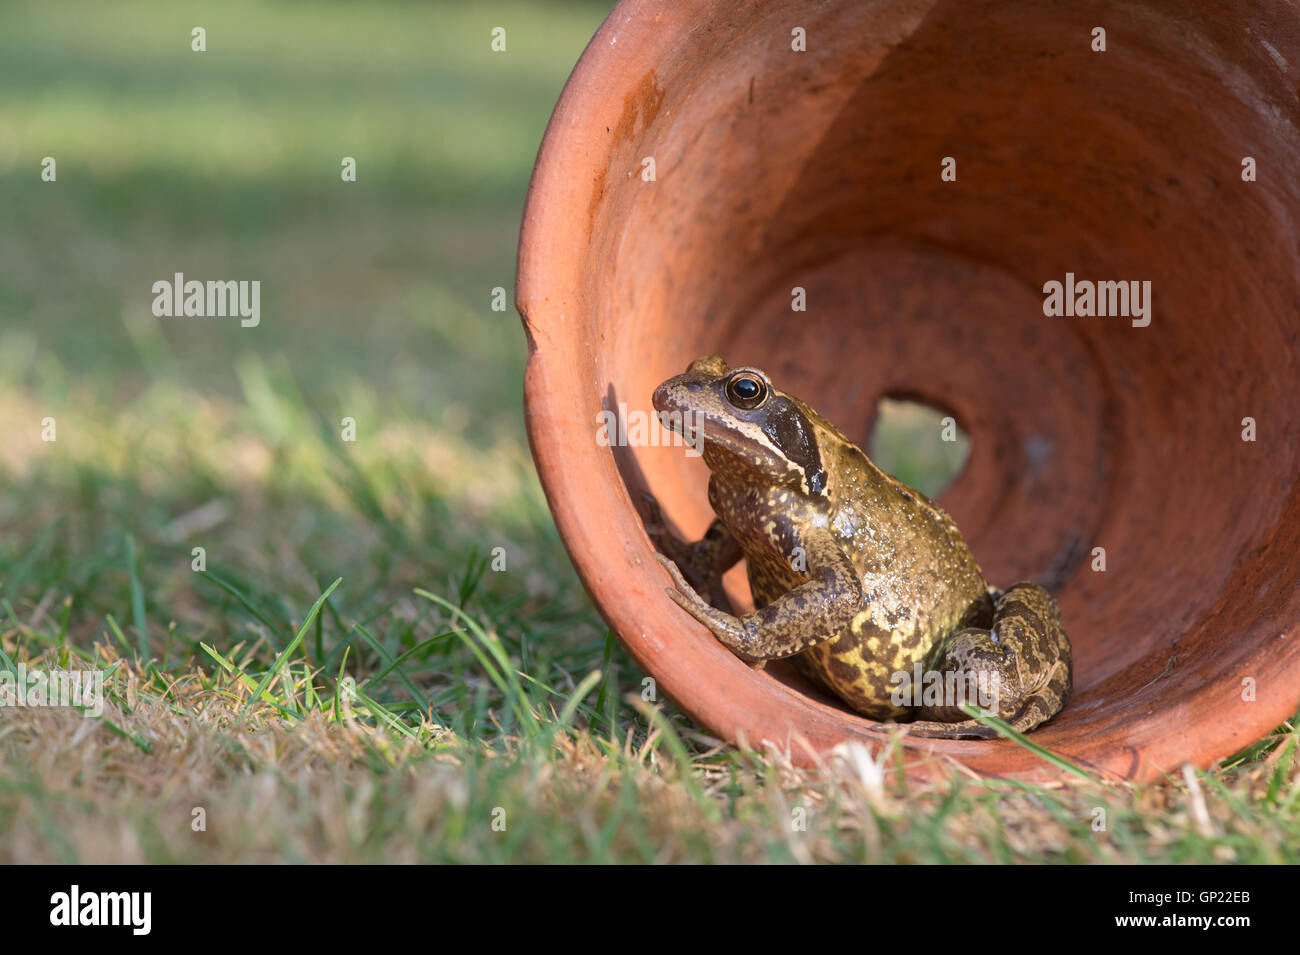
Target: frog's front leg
pixel 810 614
pixel 1025 657
pixel 702 562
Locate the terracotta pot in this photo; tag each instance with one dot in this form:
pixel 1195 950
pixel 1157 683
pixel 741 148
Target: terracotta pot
pixel 821 169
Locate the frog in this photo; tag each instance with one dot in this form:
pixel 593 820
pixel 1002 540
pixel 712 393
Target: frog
pixel 861 581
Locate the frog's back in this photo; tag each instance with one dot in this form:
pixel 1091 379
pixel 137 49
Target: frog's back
pixel 920 582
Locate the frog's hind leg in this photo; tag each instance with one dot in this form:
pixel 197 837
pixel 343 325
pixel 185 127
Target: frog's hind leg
pixel 1023 661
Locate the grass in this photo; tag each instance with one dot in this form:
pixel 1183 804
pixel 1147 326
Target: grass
pixel 351 673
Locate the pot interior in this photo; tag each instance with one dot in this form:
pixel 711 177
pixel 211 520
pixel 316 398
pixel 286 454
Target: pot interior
pixel 776 170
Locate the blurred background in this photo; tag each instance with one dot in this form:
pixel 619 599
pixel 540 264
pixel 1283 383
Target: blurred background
pixel 376 301
pixel 376 294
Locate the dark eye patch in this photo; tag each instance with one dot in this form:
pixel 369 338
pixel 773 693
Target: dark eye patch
pixel 787 428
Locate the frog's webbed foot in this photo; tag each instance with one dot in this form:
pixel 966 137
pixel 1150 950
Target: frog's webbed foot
pixel 974 729
pixel 1020 669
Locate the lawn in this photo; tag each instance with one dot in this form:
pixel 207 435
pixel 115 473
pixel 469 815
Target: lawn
pixel 455 696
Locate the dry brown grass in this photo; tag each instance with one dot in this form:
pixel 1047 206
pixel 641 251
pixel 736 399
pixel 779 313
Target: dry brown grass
pixel 339 788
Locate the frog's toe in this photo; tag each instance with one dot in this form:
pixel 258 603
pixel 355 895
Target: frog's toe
pixel 934 729
pixel 722 625
pixel 738 633
pixel 675 572
pixel 1045 703
pixel 682 601
pixel 683 594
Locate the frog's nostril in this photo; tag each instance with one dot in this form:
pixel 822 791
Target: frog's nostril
pixel 694 386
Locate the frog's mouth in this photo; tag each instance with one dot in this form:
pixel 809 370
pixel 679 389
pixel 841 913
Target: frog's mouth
pixel 671 413
pixel 681 420
pixel 679 413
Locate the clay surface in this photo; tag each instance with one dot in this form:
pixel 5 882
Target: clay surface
pixel 775 169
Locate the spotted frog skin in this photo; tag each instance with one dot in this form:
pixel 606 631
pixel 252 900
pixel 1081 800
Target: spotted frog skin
pixel 856 576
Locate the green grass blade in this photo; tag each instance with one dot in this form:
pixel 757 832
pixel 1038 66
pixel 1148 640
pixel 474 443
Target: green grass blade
pixel 503 673
pixel 580 692
pixel 1005 730
pixel 117 632
pixel 391 665
pixel 137 600
pixel 247 604
pixel 293 644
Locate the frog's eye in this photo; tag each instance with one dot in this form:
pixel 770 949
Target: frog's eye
pixel 746 390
